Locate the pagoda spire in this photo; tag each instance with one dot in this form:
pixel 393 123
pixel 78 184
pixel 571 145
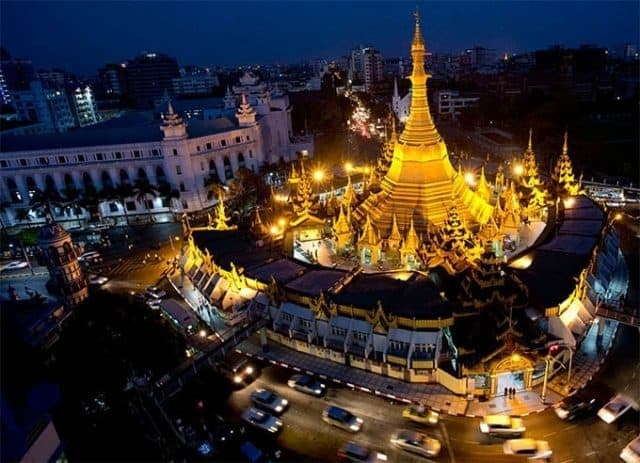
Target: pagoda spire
pixel 420 128
pixel 246 114
pixel 220 222
pixel 563 174
pixel 565 145
pixel 530 145
pixel 483 189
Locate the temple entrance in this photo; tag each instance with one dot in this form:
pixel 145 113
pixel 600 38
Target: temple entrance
pixel 514 371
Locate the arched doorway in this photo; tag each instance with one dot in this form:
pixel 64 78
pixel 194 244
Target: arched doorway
pixel 514 371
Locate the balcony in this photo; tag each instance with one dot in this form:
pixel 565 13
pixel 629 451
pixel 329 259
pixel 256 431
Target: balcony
pixel 335 344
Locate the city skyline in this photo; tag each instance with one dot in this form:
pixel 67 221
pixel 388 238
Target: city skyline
pixel 79 36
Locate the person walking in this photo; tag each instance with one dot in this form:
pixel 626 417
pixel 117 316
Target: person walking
pixel 506 391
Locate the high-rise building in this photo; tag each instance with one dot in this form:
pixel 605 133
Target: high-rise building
pixel 366 67
pixel 194 84
pixel 149 76
pixel 46 105
pixel 84 106
pixel 15 75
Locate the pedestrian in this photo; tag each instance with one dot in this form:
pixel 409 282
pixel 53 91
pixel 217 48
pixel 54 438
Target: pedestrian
pixel 512 392
pixel 506 391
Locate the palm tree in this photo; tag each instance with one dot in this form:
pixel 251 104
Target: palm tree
pixel 72 198
pixel 91 200
pixel 22 215
pixel 142 189
pixel 44 200
pixel 120 193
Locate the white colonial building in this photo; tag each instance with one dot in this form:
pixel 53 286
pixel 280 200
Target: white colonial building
pixel 179 157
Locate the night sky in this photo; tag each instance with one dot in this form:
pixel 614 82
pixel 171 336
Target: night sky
pixel 81 36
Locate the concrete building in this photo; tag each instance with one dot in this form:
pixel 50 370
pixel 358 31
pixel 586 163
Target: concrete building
pixel 366 67
pixel 449 103
pixel 196 84
pixel 149 76
pixel 176 157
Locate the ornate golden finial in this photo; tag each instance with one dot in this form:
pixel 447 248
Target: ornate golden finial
pixel 565 145
pixel 417 37
pixel 529 146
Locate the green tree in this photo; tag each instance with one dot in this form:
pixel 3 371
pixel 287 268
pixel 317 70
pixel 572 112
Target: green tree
pixel 120 194
pixel 142 190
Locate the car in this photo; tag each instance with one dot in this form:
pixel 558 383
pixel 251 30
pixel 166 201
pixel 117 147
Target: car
pixel 342 418
pixel 91 256
pixel 97 279
pixel 14 265
pixel 631 452
pixel 153 303
pixel 531 448
pixel 584 402
pixel 416 442
pixel 352 452
pixel 616 407
pixel 262 420
pixel 155 292
pixel 419 414
pixel 306 384
pixel 269 400
pixel 502 425
pixel 238 369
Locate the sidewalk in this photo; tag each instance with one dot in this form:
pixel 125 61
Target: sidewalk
pixel 586 363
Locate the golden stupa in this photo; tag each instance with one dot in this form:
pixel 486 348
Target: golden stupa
pixel 421 184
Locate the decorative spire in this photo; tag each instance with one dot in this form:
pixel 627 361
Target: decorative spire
pixel 530 146
pixel 369 233
pixel 246 114
pixel 420 128
pixel 483 189
pixel 395 232
pixel 411 240
pixel 395 88
pixel 565 145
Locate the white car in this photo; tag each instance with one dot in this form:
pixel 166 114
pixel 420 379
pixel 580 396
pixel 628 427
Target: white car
pixel 306 384
pixel 91 256
pixel 531 448
pixel 14 265
pixel 97 279
pixel 502 425
pixel 416 442
pixel 341 418
pixel 155 292
pixel 631 453
pixel 269 400
pixel 262 420
pixel 616 407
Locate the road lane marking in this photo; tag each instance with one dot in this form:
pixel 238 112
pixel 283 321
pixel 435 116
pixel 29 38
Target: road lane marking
pixel 447 441
pixel 550 434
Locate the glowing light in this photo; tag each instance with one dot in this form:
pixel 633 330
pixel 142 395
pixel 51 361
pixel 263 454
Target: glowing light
pixel 618 216
pixel 569 202
pixel 282 222
pixel 348 167
pixel 470 178
pixel 518 169
pixel 318 175
pixel 273 230
pixel 515 357
pixel 202 333
pixel 522 263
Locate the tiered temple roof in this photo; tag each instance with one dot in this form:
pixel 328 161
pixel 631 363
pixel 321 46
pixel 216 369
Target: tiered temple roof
pixel 563 174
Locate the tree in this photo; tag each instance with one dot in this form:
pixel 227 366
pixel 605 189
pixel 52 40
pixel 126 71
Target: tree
pixel 91 200
pixel 71 201
pixel 22 215
pixel 120 194
pixel 44 200
pixel 142 190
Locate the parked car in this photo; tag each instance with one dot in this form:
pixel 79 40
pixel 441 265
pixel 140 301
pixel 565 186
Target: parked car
pixel 616 407
pixel 262 420
pixel 416 442
pixel 155 292
pixel 531 448
pixel 342 418
pixel 352 452
pixel 631 452
pixel 97 279
pixel 14 265
pixel 269 400
pixel 306 384
pixel 502 425
pixel 419 414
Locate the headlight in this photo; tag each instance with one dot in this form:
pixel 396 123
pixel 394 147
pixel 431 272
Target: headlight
pixel 279 408
pixel 355 427
pixel 249 370
pixel 285 402
pixel 318 391
pixel 237 379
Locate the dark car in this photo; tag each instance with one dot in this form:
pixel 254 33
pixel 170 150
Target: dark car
pixel 584 403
